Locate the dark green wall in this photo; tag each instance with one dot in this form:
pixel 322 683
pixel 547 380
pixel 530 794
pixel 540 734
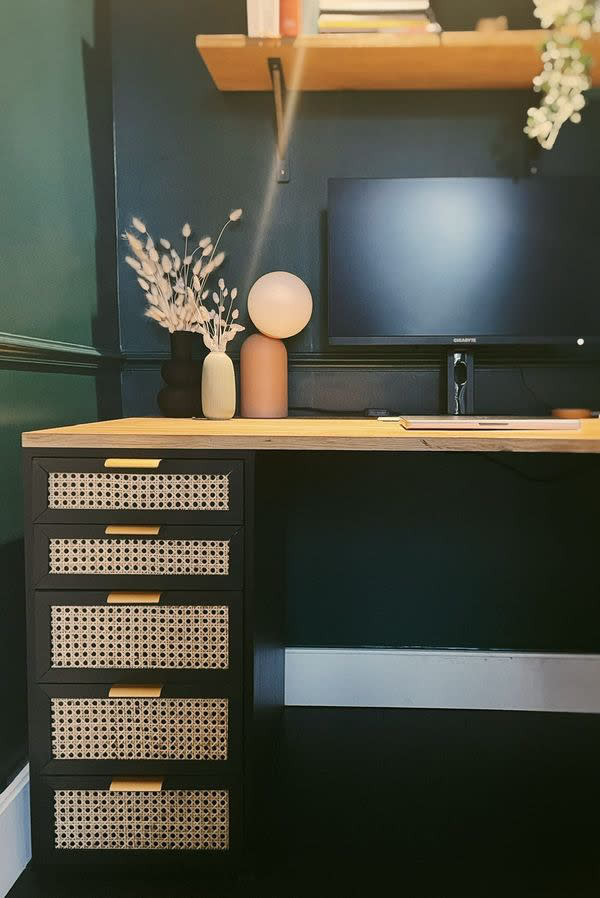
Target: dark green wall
pixel 54 94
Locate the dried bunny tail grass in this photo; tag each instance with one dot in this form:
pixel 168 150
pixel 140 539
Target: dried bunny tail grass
pixel 175 286
pixel 133 262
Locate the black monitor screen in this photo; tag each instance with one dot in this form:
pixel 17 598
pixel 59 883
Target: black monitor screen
pixel 464 260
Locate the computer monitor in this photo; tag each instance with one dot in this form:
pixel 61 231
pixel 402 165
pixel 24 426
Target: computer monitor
pixel 462 262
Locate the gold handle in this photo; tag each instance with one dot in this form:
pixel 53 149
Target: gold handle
pixel 132 462
pixel 144 784
pixel 130 690
pixel 132 529
pixel 133 598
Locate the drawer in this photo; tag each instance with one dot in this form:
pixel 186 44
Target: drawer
pixel 102 637
pixel 137 489
pixel 135 556
pixel 139 728
pixel 111 820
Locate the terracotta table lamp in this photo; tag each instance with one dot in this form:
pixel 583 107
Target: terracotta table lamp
pixel 279 305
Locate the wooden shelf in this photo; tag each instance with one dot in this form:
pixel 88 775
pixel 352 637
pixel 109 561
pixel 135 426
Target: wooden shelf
pixel 306 433
pixel 456 60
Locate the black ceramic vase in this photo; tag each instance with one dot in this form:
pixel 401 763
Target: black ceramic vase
pixel 182 375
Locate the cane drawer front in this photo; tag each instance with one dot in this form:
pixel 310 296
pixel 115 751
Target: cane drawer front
pixel 141 489
pixel 128 728
pixel 102 637
pixel 109 820
pixel 137 556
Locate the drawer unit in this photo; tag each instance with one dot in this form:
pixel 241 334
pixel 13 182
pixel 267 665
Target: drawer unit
pixel 135 556
pixel 134 728
pixel 121 819
pixel 155 659
pixel 137 489
pixel 110 637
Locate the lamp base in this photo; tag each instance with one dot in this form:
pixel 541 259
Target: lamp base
pixel 263 378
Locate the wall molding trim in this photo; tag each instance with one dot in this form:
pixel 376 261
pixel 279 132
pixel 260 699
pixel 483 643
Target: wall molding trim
pixel 34 351
pixel 15 830
pixel 428 678
pixel 394 358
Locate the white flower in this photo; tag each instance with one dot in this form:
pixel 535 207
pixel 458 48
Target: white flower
pixel 204 242
pixel 143 284
pixel 139 225
pixel 166 263
pixel 235 215
pixel 234 293
pixel 186 230
pixel 221 284
pixel 207 249
pixel 165 243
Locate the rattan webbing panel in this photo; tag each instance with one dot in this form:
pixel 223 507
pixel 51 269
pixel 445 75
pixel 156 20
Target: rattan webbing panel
pixel 179 820
pixel 194 637
pixel 144 492
pixel 134 729
pixel 130 557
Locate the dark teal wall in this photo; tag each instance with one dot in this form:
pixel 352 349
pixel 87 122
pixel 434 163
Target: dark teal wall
pixel 185 151
pixel 57 285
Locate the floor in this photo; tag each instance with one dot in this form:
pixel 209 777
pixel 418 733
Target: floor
pixel 427 804
pixel 283 884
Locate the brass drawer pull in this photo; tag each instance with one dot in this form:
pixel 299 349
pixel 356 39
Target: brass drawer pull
pixel 131 690
pixel 132 462
pixel 132 530
pixel 144 784
pixel 133 598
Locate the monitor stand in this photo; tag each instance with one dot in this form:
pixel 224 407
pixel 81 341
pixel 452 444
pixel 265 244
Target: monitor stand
pixel 460 375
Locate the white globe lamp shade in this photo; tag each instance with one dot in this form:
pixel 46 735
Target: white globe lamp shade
pixel 280 304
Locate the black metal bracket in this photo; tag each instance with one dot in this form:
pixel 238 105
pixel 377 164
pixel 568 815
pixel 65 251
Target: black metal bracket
pixel 278 81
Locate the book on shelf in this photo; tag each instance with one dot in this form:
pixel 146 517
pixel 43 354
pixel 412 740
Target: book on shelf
pixel 376 23
pixel 374 6
pixel 290 18
pixel 263 18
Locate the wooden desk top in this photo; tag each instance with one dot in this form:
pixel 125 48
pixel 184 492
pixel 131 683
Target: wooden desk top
pixel 305 433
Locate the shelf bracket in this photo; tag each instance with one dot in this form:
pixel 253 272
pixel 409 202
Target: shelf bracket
pixel 278 81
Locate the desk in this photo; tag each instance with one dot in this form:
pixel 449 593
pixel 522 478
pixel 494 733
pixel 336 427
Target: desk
pixel 360 434
pixel 155 639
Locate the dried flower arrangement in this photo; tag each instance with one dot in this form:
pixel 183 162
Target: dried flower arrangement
pixel 565 75
pixel 175 285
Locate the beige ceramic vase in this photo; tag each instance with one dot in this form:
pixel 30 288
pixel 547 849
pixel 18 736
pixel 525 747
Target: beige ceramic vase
pixel 218 386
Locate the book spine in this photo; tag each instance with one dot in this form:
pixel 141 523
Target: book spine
pixel 271 24
pixel 290 18
pixel 263 18
pixel 253 17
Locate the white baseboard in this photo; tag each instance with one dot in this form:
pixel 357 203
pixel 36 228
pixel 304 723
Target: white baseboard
pixel 391 678
pixel 15 831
